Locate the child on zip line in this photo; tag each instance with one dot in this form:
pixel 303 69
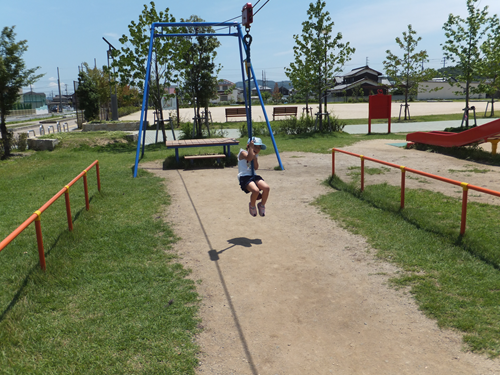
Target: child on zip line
pixel 249 181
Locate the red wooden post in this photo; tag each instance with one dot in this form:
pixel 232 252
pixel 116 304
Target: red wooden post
pixel 465 188
pixel 68 208
pixel 85 187
pixel 39 240
pixel 98 176
pixel 403 179
pixel 362 172
pixel 333 162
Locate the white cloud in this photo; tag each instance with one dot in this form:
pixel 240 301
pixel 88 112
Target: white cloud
pixel 114 36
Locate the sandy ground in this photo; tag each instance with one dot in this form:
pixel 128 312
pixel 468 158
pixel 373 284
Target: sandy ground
pixel 292 292
pixel 343 111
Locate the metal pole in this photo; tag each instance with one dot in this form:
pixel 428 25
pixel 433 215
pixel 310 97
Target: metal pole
pixel 59 85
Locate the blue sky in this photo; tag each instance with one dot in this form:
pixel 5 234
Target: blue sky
pixel 65 34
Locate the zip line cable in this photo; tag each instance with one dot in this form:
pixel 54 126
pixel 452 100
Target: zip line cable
pixel 260 7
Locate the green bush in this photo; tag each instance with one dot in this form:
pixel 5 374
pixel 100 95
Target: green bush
pixel 259 129
pixel 22 142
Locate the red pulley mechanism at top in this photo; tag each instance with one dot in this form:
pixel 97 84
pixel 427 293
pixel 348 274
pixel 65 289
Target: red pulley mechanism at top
pixel 247 15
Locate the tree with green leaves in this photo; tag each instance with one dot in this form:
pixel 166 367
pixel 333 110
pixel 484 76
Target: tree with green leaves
pixel 199 72
pixel 407 70
pixel 322 54
pixel 13 77
pixel 276 94
pixel 88 95
pixel 131 58
pixel 463 46
pixel 489 67
pixel 301 78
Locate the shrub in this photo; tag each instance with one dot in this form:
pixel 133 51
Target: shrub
pixel 22 142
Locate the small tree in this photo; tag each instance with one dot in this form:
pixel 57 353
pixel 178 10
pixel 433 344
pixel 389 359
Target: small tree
pixel 301 77
pixel 88 96
pixel 489 67
pixel 200 71
pixel 13 77
pixel 463 46
pixel 131 59
pixel 276 93
pixel 407 71
pixel 313 48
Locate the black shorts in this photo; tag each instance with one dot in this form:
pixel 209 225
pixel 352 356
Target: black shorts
pixel 245 180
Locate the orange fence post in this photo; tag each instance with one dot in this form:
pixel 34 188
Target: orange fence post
pixel 85 187
pixel 362 172
pixel 333 162
pixel 36 216
pixel 68 209
pixel 98 175
pixel 403 179
pixel 465 188
pixel 39 240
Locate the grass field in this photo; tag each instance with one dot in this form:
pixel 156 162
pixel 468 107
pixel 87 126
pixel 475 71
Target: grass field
pixel 114 299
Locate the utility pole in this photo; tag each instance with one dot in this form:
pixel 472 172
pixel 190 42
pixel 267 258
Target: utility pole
pixel 59 85
pixel 114 101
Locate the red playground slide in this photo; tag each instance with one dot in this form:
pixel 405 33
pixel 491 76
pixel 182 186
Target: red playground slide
pixel 478 134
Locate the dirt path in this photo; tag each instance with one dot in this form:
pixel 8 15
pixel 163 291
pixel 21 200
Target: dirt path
pixel 293 293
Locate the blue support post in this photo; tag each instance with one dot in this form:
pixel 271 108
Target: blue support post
pixel 144 99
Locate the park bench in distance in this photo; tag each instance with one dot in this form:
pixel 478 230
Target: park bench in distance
pixel 284 111
pixel 236 112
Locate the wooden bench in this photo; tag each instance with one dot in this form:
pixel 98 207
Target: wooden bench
pixel 284 111
pixel 226 143
pixel 192 158
pixel 236 112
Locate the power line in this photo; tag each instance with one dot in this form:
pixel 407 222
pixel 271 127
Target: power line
pixel 260 7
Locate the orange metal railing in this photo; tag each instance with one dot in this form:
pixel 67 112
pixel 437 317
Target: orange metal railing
pixel 465 186
pixel 36 217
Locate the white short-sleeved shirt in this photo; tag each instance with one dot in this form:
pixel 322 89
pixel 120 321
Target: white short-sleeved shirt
pixel 244 167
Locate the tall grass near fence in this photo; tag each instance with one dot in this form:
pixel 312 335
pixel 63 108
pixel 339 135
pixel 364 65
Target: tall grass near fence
pixel 113 299
pixel 454 279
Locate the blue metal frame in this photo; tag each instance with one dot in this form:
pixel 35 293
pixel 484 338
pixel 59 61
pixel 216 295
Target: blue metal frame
pixel 238 34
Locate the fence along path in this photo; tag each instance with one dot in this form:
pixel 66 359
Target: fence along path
pixel 36 216
pixel 464 185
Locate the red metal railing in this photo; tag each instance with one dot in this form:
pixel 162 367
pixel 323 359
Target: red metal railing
pixel 36 217
pixel 465 186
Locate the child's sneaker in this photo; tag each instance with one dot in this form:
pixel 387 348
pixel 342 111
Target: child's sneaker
pixel 262 209
pixel 253 210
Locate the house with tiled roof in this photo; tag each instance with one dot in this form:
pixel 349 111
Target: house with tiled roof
pixel 365 78
pixel 228 92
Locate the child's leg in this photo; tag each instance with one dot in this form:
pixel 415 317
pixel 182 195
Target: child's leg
pixel 254 193
pixel 262 185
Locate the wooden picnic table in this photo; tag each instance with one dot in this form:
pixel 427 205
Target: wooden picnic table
pixel 226 143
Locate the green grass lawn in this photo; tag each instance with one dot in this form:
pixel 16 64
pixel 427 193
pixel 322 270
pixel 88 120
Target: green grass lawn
pixel 115 300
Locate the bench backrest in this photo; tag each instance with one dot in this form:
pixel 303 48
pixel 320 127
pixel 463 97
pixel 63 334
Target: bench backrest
pixel 236 111
pixel 285 110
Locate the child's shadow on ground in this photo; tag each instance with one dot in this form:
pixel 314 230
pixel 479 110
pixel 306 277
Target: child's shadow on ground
pixel 239 241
